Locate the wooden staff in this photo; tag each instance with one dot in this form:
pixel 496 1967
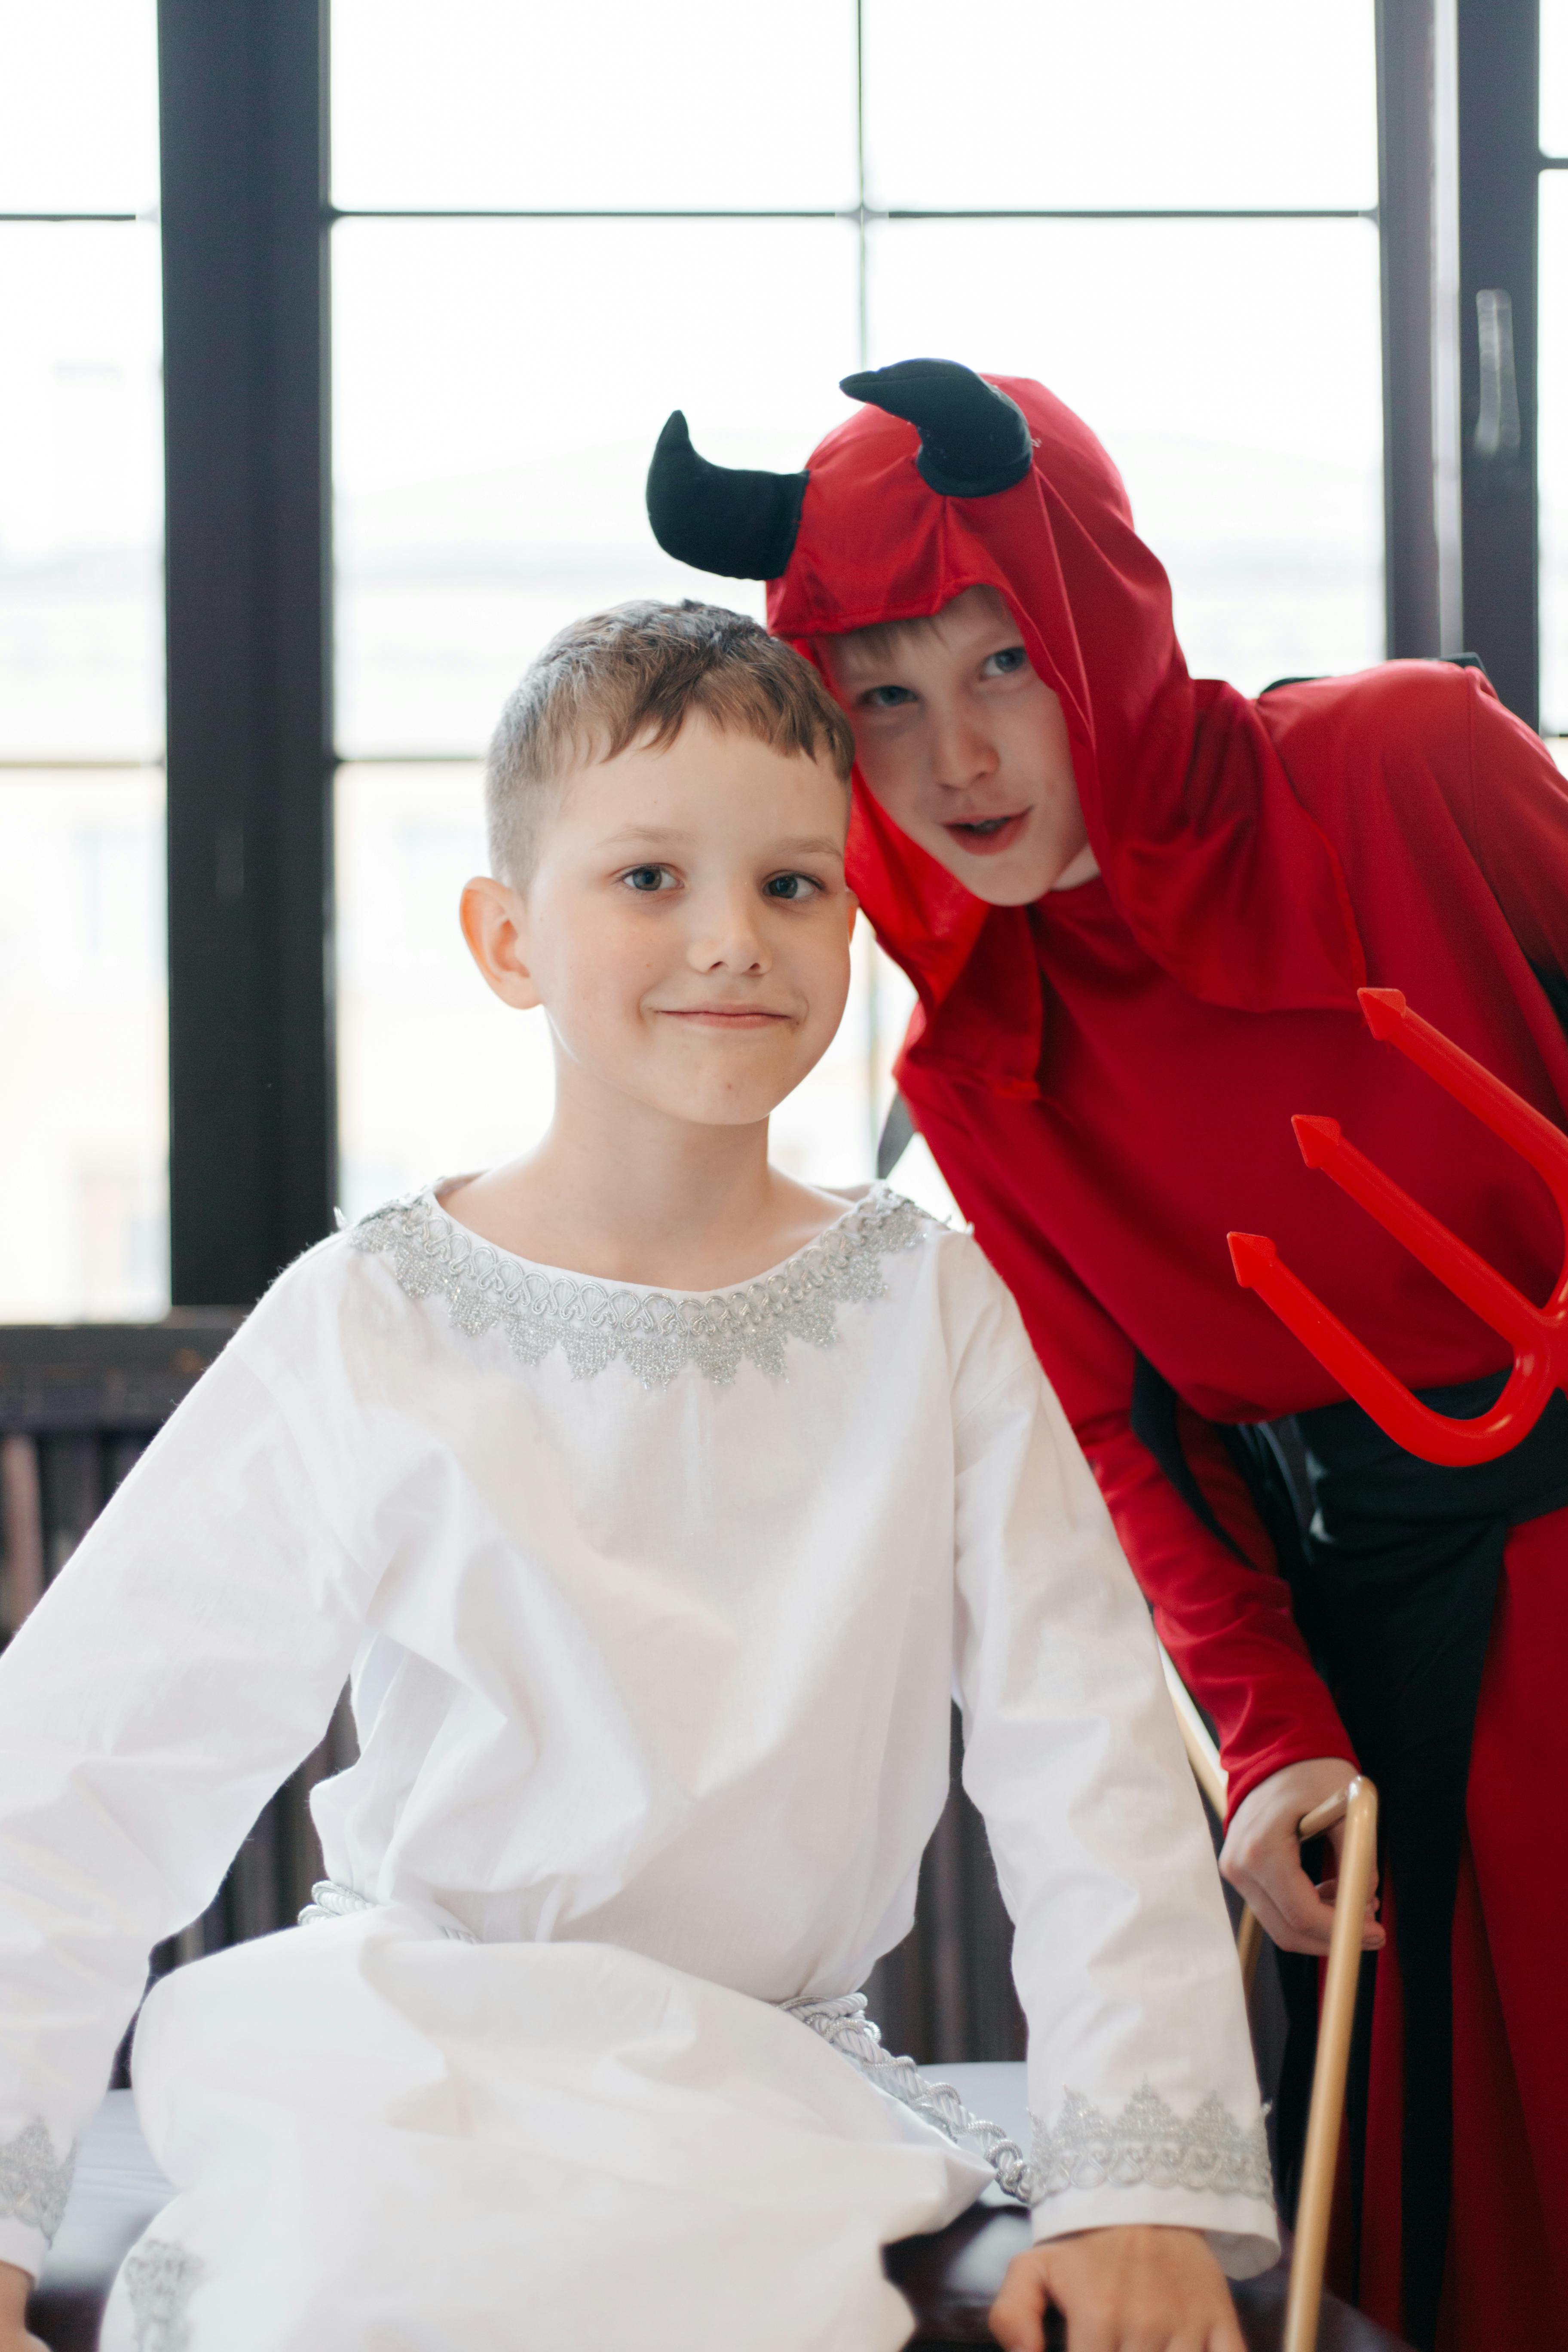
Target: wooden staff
pixel 1357 1807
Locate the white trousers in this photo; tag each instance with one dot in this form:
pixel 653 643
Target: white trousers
pixel 386 2140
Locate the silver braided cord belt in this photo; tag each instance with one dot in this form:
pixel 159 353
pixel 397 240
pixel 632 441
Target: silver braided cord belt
pixel 331 1901
pixel 843 2025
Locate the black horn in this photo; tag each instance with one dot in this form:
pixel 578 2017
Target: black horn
pixel 721 517
pixel 975 441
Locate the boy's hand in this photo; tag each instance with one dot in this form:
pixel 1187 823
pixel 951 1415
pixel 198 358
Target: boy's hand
pixel 1262 1860
pixel 1134 2290
pixel 16 2286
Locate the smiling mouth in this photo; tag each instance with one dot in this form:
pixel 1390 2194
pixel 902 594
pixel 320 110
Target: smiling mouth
pixel 723 1017
pixel 985 836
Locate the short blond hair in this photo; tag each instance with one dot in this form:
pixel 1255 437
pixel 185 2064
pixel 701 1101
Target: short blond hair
pixel 634 673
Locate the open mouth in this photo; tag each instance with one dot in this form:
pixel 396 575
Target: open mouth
pixel 985 836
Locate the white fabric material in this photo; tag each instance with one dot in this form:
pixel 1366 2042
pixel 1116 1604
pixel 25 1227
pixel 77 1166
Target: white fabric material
pixel 397 2141
pixel 660 1669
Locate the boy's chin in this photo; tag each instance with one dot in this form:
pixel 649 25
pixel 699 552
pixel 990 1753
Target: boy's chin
pixel 720 1106
pixel 1002 882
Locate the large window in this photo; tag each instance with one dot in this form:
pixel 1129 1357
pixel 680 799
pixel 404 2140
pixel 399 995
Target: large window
pixel 537 256
pixel 82 1058
pixel 546 227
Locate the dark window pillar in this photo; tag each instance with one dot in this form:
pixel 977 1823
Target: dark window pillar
pixel 1498 117
pixel 1405 64
pixel 243 99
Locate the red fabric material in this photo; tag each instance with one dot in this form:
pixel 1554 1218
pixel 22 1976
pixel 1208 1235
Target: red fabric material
pixel 1228 1626
pixel 1161 1122
pixel 1516 1933
pixel 1507 2282
pixel 1107 1079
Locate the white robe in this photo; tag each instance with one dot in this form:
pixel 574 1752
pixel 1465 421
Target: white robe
pixel 653 1605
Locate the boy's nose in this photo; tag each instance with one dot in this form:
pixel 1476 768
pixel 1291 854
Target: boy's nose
pixel 725 936
pixel 962 755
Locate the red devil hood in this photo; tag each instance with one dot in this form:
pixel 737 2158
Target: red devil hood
pixel 1210 858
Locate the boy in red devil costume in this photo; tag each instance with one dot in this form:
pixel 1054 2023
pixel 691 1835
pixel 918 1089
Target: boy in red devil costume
pixel 1137 907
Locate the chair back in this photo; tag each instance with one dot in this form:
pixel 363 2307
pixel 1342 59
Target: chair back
pixel 79 1405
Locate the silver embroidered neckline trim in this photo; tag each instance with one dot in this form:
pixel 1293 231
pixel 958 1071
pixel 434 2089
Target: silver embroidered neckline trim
pixel 655 1333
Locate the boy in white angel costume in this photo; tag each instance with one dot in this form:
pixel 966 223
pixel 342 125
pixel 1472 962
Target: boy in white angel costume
pixel 656 1504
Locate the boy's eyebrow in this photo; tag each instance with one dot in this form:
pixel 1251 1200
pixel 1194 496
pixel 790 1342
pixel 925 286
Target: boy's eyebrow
pixel 815 845
pixel 656 836
pixel 651 834
pixel 855 657
pixel 848 657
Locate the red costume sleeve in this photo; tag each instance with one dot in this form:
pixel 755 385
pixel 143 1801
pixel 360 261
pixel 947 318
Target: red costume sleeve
pixel 1510 803
pixel 1226 1623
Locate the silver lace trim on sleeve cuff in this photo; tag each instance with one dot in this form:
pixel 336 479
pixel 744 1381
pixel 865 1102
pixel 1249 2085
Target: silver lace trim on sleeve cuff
pixel 33 2181
pixel 1148 2145
pixel 160 2279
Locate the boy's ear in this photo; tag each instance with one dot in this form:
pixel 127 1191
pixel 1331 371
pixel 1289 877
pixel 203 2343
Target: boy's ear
pixel 495 924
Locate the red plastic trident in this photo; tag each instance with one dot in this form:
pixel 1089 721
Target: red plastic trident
pixel 1538 1334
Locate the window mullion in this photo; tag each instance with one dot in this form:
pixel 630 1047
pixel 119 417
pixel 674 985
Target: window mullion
pixel 1500 163
pixel 243 96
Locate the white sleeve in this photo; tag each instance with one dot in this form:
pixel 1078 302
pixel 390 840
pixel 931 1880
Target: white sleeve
pixel 185 1660
pixel 1142 2082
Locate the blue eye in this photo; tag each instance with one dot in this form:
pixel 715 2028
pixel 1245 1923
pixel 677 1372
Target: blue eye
pixel 1010 658
pixel 888 698
pixel 647 880
pixel 789 887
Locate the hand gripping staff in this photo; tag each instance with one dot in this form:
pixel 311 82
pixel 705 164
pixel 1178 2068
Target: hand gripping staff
pixel 1538 1335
